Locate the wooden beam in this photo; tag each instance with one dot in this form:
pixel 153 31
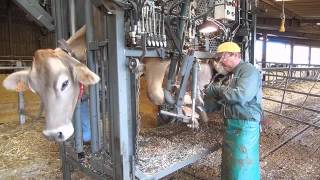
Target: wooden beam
pixel 278 7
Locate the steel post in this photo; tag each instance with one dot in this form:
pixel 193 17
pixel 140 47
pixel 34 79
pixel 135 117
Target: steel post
pixel 120 112
pixel 92 89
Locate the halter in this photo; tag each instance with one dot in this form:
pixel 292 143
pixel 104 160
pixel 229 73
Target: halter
pixel 65 47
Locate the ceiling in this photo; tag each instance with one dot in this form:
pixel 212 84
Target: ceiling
pixel 302 17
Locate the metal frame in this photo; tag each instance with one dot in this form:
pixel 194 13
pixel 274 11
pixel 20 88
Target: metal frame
pixel 120 92
pixel 41 16
pixel 282 85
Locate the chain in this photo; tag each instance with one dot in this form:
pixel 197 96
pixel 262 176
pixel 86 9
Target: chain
pixel 138 117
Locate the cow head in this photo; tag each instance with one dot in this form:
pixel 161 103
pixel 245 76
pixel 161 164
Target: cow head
pixel 55 77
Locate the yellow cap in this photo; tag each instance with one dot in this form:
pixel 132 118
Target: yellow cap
pixel 228 47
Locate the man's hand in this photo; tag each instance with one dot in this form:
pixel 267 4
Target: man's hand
pixel 214 89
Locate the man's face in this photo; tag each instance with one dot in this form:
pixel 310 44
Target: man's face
pixel 229 60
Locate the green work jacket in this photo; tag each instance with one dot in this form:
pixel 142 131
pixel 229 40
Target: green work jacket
pixel 241 98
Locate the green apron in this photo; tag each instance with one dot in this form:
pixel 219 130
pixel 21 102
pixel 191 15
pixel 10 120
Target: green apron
pixel 240 151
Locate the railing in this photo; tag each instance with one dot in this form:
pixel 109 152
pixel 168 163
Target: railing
pixel 10 64
pixel 283 78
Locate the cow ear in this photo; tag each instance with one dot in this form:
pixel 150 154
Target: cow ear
pixel 84 75
pixel 17 81
pixel 80 71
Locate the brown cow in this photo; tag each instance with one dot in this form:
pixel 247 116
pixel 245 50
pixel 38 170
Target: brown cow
pixel 55 77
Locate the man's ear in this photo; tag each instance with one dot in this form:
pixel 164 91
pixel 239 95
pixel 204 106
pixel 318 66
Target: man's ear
pixel 84 75
pixel 17 81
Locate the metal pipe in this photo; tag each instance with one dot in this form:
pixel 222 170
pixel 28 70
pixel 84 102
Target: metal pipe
pixel 78 135
pixel 92 88
pixel 56 5
pixel 289 104
pixel 292 91
pixel 105 125
pixel 286 141
pixel 22 117
pixel 293 119
pixel 195 71
pixel 293 78
pixel 182 22
pixel 170 82
pixel 72 15
pixel 78 129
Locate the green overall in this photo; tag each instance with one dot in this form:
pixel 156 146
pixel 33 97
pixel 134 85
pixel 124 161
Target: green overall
pixel 241 105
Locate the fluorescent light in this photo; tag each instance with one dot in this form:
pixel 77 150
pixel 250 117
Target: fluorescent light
pixel 208 27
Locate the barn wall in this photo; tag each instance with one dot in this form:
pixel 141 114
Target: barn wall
pixel 26 36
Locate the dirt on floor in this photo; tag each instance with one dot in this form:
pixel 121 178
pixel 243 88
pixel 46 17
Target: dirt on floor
pixel 289 150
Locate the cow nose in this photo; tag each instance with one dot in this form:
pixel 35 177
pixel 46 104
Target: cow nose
pixel 59 134
pixel 59 137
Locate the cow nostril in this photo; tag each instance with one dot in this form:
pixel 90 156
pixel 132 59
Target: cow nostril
pixel 60 135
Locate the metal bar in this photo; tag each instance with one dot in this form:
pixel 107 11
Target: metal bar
pixel 293 78
pixel 182 22
pixel 276 63
pixel 195 92
pixel 170 80
pixel 174 115
pixel 188 61
pixel 22 117
pixel 98 87
pixel 16 57
pixel 292 91
pixel 176 166
pixel 104 101
pixel 120 112
pixel 92 88
pixel 292 68
pixel 309 109
pixel 65 165
pixel 40 16
pixel 293 119
pixel 264 53
pixel 78 134
pixel 56 7
pixel 288 140
pixel 139 53
pixel 285 86
pixel 72 16
pixel 13 67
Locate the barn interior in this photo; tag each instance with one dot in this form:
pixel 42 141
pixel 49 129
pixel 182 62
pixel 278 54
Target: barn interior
pixel 131 137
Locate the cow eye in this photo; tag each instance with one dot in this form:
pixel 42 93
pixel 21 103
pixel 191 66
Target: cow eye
pixel 64 85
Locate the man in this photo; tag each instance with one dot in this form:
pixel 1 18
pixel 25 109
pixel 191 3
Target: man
pixel 240 101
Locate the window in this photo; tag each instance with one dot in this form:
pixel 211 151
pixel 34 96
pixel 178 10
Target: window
pixel 258 51
pixel 278 52
pixel 315 55
pixel 300 54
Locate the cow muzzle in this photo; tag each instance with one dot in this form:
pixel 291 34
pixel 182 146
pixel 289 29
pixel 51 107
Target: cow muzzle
pixel 59 134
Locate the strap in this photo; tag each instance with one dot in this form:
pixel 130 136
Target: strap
pixel 65 47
